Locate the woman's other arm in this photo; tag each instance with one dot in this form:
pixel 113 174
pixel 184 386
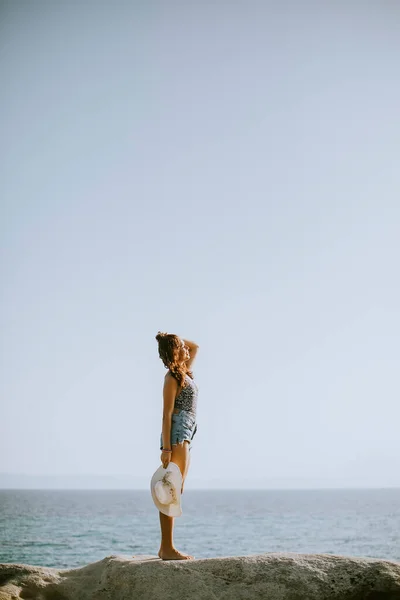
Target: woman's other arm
pixel 192 351
pixel 190 345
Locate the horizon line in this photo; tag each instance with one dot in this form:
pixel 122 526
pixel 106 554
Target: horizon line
pixel 224 489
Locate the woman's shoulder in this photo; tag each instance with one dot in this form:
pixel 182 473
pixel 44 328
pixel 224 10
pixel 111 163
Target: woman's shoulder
pixel 169 376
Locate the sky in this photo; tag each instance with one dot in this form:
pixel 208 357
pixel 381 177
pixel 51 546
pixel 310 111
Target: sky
pixel 228 172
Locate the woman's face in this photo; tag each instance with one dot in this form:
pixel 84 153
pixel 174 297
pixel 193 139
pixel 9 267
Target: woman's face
pixel 184 353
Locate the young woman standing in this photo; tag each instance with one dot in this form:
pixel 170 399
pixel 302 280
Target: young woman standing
pixel 178 422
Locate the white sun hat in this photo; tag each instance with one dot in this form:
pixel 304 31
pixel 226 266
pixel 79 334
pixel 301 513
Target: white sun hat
pixel 166 485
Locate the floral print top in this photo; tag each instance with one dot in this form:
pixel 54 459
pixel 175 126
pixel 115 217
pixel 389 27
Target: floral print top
pixel 187 398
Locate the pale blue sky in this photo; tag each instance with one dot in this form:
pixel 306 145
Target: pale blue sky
pixel 225 171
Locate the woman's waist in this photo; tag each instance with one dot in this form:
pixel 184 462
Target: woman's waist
pixel 184 412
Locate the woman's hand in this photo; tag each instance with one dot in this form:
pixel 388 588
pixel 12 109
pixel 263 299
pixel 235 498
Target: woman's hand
pixel 165 458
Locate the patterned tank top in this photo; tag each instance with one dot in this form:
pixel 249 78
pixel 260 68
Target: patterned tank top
pixel 187 398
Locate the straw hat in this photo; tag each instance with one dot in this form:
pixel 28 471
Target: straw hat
pixel 165 488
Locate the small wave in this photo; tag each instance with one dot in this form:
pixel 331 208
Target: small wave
pixel 41 544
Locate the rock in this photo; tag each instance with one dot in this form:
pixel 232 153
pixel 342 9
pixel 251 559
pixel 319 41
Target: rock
pixel 275 576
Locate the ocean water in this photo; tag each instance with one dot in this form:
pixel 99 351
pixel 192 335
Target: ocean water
pixel 70 528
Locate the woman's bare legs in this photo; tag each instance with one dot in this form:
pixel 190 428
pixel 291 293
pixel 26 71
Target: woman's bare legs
pixel 180 456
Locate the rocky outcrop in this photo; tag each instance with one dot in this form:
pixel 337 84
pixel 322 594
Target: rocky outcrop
pixel 276 576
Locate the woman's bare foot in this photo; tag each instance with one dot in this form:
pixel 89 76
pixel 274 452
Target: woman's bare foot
pixel 173 554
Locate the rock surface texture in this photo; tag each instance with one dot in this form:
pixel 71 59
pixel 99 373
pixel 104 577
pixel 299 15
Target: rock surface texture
pixel 276 576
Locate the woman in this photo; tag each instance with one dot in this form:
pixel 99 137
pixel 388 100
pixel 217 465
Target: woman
pixel 178 423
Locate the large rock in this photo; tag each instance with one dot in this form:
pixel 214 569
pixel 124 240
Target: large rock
pixel 276 576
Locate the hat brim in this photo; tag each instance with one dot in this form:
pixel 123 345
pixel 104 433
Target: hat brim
pixel 174 509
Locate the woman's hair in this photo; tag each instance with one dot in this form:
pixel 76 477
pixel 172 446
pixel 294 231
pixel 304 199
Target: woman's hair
pixel 169 346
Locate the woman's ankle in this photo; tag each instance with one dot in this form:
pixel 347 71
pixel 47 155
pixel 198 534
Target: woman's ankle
pixel 167 547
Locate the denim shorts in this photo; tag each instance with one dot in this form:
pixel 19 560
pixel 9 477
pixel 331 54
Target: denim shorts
pixel 183 427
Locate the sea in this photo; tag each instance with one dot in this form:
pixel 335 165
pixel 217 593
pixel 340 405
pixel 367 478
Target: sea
pixel 71 528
